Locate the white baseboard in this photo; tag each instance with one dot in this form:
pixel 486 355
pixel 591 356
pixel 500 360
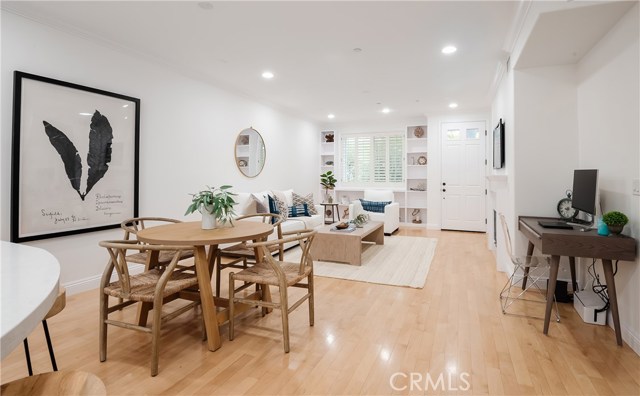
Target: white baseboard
pixel 93 282
pixel 628 336
pixel 433 226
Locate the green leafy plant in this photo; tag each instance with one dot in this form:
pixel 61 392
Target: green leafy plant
pixel 328 181
pixel 615 218
pixel 217 201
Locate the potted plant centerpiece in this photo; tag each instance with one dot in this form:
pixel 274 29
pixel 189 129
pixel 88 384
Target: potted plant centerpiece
pixel 215 204
pixel 329 183
pixel 615 221
pixel 361 220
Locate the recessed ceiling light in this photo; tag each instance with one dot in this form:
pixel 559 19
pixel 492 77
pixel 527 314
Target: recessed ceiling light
pixel 205 5
pixel 331 116
pixel 453 105
pixel 268 75
pixel 386 110
pixel 85 114
pixel 449 49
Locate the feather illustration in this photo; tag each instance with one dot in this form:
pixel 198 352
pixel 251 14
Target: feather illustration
pixel 68 153
pixel 99 156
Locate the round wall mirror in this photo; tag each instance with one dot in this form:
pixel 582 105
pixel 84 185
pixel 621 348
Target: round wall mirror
pixel 250 152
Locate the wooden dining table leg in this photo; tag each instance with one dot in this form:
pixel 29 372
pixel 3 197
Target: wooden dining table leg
pixel 206 298
pixel 607 266
pixel 551 289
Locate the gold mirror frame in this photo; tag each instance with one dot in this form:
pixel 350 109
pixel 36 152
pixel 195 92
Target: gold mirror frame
pixel 250 152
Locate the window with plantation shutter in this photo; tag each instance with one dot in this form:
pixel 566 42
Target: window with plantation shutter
pixel 372 160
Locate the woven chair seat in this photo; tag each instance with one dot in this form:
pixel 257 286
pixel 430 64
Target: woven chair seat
pixel 163 258
pixel 143 285
pixel 240 250
pixel 263 274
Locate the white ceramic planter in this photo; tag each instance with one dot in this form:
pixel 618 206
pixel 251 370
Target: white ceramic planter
pixel 208 219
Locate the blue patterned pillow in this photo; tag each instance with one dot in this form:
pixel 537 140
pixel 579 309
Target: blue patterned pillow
pixel 298 210
pixel 278 207
pixel 373 206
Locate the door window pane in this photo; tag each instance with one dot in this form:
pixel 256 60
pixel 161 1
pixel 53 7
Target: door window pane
pixel 473 134
pixel 453 134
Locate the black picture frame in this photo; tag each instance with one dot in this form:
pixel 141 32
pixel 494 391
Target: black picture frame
pixel 75 158
pixel 498 145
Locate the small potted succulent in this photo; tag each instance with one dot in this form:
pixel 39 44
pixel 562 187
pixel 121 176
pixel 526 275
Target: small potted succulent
pixel 360 220
pixel 328 181
pixel 615 221
pixel 215 204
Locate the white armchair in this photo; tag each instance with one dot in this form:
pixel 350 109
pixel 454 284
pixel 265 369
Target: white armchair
pixel 391 215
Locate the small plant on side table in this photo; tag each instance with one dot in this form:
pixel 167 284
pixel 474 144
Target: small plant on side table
pixel 615 221
pixel 328 181
pixel 215 204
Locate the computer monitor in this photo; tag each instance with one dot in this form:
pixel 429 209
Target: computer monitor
pixel 585 191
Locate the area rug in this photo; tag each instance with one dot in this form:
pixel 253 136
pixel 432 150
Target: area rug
pixel 401 261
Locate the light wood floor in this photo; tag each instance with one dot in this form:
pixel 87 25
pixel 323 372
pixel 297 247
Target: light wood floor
pixel 363 334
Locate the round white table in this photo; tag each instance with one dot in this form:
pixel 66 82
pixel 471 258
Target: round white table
pixel 30 280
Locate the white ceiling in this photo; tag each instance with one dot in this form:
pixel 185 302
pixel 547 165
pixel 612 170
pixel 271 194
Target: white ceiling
pixel 564 37
pixel 309 46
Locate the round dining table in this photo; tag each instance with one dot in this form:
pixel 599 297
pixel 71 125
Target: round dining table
pixel 30 281
pixel 192 234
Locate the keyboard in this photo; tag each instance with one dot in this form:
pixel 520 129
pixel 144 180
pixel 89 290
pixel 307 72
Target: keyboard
pixel 555 224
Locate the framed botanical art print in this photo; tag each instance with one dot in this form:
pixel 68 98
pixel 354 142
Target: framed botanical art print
pixel 74 158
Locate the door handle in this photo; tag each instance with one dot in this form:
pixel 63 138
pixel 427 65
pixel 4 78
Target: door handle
pixel 444 190
pixel 444 184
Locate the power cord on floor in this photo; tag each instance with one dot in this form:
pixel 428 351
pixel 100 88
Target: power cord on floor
pixel 599 288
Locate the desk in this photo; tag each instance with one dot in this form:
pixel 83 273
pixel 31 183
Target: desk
pixel 192 234
pixel 30 281
pixel 576 243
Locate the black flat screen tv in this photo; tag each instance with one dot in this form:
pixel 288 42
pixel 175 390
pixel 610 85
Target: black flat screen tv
pixel 498 145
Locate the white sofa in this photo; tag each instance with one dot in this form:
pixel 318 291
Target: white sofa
pixel 244 207
pixel 391 215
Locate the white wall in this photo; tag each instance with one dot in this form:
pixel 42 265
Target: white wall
pixel 188 130
pixel 546 151
pixel 501 196
pixel 608 96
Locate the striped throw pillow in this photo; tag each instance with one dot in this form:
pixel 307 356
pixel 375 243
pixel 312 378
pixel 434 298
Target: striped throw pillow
pixel 278 207
pixel 305 199
pixel 298 210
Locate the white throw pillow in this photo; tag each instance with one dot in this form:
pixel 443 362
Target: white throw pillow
pixel 379 195
pixel 285 196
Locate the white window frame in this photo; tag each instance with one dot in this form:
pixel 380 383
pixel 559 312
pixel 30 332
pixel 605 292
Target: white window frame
pixel 372 184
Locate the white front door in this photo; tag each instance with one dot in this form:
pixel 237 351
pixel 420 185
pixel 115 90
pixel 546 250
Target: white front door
pixel 463 176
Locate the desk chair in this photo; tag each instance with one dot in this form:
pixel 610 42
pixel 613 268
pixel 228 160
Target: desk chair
pixel 533 268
